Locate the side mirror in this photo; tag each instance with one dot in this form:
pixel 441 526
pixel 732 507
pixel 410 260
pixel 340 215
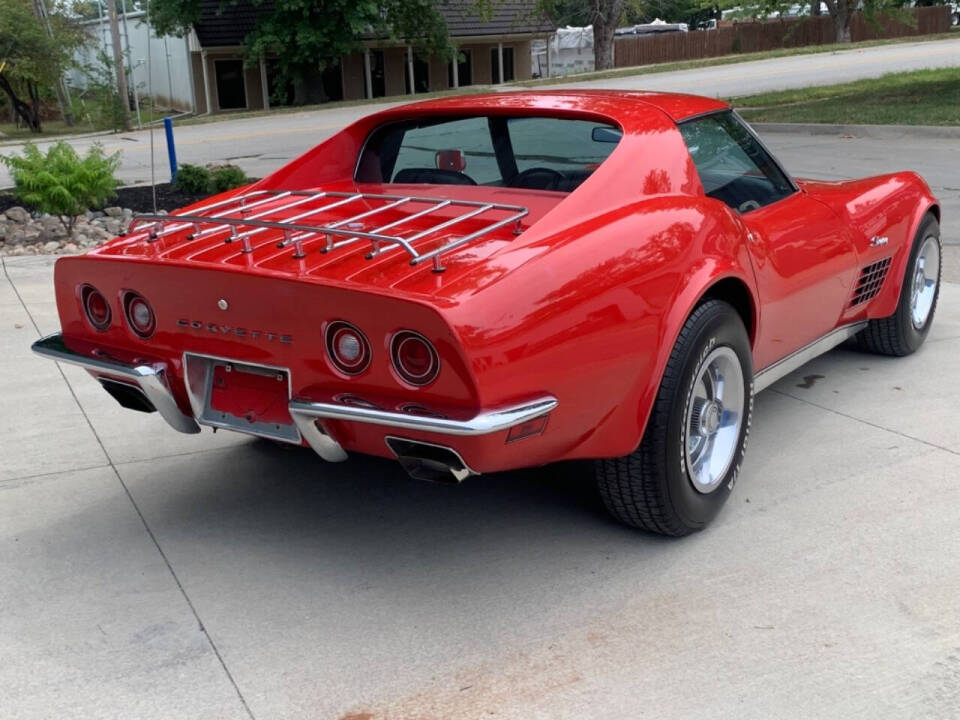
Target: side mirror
pixel 451 160
pixel 603 134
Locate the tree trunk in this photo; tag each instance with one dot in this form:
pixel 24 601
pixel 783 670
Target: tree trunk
pixel 60 87
pixel 118 62
pixel 30 115
pixel 841 12
pixel 605 16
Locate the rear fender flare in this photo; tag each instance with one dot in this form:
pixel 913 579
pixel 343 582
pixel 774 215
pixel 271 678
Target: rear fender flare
pixel 721 256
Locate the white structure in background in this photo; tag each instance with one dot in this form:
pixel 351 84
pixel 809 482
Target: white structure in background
pixel 652 28
pixel 567 52
pixel 171 74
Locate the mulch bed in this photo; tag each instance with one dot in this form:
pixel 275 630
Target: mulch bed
pixel 138 198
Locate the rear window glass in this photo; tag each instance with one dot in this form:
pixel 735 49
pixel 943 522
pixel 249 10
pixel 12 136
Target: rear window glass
pixel 558 144
pixel 539 153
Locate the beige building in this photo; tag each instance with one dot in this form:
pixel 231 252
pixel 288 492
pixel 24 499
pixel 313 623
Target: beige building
pixel 491 51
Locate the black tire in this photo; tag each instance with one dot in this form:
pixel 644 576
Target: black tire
pixel 651 488
pixel 896 335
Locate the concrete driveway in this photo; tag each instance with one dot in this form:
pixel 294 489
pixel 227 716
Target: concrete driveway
pixel 146 574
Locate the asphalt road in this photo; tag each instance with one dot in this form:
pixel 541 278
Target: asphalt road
pixel 262 144
pixel 146 574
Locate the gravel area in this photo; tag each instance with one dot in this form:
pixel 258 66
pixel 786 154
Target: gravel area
pixel 24 231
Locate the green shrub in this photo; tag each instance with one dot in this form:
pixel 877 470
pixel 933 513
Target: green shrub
pixel 210 179
pixel 227 177
pixel 62 183
pixel 193 179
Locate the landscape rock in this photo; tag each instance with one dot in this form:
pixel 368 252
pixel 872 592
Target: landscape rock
pixel 18 214
pixel 23 234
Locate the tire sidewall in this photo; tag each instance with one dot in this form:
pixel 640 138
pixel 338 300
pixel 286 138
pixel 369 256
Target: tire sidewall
pixel 723 328
pixel 914 338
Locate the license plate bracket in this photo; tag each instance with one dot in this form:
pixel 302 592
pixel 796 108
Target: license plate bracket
pixel 240 396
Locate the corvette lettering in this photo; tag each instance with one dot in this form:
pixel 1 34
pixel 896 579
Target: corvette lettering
pixel 222 329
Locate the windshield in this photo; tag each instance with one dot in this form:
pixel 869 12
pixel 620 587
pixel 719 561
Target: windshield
pixel 539 153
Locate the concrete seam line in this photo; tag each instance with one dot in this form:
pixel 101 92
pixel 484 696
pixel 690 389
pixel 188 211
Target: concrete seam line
pixel 867 422
pixel 143 519
pixel 37 476
pixel 870 131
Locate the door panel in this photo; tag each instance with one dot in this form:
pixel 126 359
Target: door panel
pixel 805 264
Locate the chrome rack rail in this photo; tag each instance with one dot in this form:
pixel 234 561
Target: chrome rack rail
pixel 233 213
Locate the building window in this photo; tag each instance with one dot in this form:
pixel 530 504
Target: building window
pixel 376 75
pixel 507 64
pixel 464 66
pixel 231 85
pixel 421 75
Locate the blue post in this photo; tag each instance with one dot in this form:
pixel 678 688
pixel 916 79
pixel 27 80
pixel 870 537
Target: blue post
pixel 171 150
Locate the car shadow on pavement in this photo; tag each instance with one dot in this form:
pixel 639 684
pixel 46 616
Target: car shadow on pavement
pixel 271 499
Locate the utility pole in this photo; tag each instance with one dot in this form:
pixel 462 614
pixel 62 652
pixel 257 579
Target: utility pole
pixel 60 88
pixel 118 62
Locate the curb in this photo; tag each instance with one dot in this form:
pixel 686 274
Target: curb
pixel 6 142
pixel 868 131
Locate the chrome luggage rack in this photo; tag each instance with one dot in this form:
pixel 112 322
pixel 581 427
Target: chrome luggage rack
pixel 228 216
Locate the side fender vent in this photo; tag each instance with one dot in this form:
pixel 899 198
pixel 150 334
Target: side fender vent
pixel 870 282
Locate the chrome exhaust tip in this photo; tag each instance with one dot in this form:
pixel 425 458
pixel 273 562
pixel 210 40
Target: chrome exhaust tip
pixel 429 462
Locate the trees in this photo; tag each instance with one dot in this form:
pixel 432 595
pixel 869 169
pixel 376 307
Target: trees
pixel 604 16
pixel 840 11
pixel 32 58
pixel 314 34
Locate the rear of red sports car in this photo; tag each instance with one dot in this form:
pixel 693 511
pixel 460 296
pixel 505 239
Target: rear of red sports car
pixel 291 343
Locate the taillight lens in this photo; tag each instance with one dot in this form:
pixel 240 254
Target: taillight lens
pixel 347 348
pixel 96 307
pixel 139 314
pixel 414 358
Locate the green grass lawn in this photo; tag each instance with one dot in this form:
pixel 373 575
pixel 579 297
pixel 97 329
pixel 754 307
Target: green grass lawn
pixel 83 124
pixel 924 97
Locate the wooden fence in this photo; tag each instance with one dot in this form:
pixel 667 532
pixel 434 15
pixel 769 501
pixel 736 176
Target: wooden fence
pixel 750 37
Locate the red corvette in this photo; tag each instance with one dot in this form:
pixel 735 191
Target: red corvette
pixel 490 282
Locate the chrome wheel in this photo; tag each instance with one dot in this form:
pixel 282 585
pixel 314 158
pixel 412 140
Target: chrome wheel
pixel 713 419
pixel 926 275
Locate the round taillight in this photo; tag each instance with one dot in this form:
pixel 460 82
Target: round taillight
pixel 414 358
pixel 96 307
pixel 140 315
pixel 347 348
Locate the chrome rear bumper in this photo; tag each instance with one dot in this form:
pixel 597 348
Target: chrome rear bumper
pixel 305 415
pixel 151 380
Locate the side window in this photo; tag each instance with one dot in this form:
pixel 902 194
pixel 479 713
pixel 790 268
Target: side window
pixel 733 167
pixel 467 142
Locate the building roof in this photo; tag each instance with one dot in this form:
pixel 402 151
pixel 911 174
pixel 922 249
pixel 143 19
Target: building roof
pixel 507 17
pixel 232 24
